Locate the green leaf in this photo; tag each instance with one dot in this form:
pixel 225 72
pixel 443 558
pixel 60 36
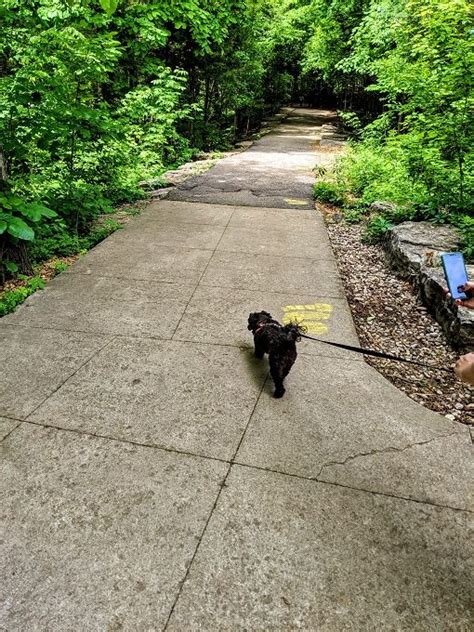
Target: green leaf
pixel 11 267
pixel 36 211
pixel 3 226
pixel 20 229
pixel 109 6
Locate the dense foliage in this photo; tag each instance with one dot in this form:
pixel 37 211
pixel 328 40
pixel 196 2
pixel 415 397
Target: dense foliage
pixel 417 150
pixel 98 95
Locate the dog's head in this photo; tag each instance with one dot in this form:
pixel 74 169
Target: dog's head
pixel 294 331
pixel 257 318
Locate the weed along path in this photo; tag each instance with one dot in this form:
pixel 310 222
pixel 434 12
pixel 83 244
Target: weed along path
pixel 149 479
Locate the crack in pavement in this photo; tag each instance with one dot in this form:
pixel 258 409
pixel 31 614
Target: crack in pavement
pixel 352 457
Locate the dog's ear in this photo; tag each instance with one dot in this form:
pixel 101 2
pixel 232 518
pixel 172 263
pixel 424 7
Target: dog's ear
pixel 257 317
pixel 252 321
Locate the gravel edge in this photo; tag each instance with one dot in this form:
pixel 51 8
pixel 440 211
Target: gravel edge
pixel 389 317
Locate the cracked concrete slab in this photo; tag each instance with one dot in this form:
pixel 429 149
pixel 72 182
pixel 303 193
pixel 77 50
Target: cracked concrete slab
pixel 35 362
pixel 6 426
pixel 108 306
pixel 273 273
pixel 219 316
pixel 282 553
pixel 335 409
pixel 168 394
pixel 100 533
pixel 439 470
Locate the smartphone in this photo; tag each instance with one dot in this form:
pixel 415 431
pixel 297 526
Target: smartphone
pixel 455 273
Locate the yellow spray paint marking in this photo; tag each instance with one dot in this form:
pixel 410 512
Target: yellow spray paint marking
pixel 296 202
pixel 311 316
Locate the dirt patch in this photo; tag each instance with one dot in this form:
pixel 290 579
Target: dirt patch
pixel 389 317
pixel 46 270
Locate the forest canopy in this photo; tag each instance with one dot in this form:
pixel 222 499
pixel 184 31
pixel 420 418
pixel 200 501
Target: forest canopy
pixel 99 95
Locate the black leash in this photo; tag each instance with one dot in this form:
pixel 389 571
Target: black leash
pixel 377 354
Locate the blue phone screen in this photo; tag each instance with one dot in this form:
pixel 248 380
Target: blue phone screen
pixel 455 273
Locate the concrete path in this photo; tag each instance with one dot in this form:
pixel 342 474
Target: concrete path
pixel 149 479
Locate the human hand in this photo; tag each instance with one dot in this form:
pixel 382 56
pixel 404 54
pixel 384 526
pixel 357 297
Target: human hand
pixel 464 368
pixel 468 290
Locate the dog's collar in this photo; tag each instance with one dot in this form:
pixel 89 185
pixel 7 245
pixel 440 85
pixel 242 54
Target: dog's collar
pixel 262 325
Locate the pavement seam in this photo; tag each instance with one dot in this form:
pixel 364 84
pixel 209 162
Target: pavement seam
pixel 168 339
pixel 156 221
pixel 290 292
pixel 223 484
pixel 352 457
pixel 13 429
pixel 202 275
pixel 151 446
pixel 107 342
pixel 301 290
pixel 232 462
pixel 312 479
pixel 122 278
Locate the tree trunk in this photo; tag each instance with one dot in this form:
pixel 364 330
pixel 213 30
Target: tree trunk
pixel 3 166
pixel 16 253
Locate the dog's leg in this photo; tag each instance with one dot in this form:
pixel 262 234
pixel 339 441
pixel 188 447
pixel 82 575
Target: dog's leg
pixel 288 362
pixel 259 350
pixel 277 373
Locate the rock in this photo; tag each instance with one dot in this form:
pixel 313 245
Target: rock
pixel 159 194
pixel 382 207
pixel 414 250
pixel 154 183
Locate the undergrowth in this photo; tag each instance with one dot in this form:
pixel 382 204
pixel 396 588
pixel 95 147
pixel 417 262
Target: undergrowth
pixel 10 299
pixel 374 185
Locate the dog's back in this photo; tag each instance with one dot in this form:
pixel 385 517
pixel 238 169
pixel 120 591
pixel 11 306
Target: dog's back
pixel 279 341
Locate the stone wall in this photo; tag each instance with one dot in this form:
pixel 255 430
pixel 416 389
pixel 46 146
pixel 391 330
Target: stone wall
pixel 413 250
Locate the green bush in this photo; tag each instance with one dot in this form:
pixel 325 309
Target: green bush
pixel 327 191
pixel 376 229
pixel 466 230
pixel 380 173
pixel 60 266
pixel 10 299
pixel 354 214
pixel 99 233
pixel 60 244
pixel 351 122
pixel 57 242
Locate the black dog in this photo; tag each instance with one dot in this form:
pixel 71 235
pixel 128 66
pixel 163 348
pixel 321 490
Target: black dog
pixel 279 341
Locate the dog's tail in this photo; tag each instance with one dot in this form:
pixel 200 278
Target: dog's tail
pixel 293 331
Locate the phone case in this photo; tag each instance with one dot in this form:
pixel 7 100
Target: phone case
pixel 453 288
